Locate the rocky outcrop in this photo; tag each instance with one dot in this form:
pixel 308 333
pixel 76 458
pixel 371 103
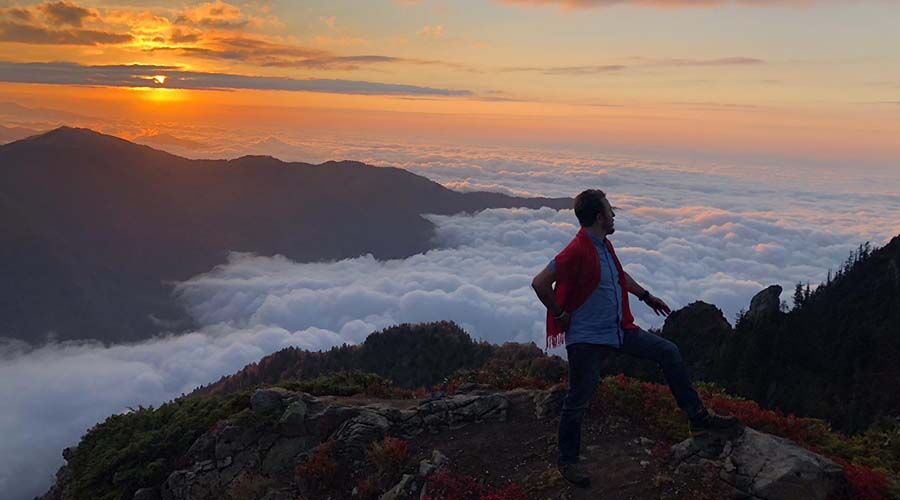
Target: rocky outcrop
pixel 761 466
pixel 281 429
pixel 255 453
pixel 766 304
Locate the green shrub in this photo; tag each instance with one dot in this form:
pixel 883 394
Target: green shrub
pixel 142 447
pixel 343 383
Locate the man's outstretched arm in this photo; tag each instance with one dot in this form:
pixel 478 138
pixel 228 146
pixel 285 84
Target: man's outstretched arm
pixel 655 303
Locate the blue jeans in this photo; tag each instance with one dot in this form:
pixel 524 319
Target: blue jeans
pixel 586 362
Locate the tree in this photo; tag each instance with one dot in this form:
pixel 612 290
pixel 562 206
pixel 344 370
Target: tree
pixel 798 295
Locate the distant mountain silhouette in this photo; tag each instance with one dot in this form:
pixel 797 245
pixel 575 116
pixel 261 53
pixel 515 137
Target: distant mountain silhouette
pixel 96 227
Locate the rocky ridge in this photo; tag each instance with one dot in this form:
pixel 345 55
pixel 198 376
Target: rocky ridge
pixel 282 430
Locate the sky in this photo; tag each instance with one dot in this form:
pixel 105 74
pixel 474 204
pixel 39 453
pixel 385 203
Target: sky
pixel 746 143
pixel 805 80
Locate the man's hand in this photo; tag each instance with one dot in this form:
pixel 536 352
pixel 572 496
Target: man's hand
pixel 658 306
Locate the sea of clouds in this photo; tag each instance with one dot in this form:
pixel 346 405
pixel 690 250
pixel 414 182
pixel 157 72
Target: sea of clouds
pixel 717 233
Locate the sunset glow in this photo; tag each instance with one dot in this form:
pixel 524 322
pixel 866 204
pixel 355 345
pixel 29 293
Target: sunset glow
pixel 724 78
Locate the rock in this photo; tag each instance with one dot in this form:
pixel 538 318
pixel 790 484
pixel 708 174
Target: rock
pixel 761 465
pixel 354 436
pixel 146 494
pixel 454 411
pixel 188 485
pixel 438 461
pixel 279 459
pixel 327 419
pixel 269 400
pixel 293 420
pixel 295 413
pixel 766 304
pixel 232 439
pixel 204 448
pixel 549 403
pixel 404 488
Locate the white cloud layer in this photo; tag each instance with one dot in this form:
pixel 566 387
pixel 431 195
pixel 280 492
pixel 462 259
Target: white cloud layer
pixel 714 233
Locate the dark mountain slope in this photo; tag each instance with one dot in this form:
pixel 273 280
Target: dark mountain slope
pixel 105 224
pixel 835 356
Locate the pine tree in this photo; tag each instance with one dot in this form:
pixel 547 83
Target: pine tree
pixel 798 295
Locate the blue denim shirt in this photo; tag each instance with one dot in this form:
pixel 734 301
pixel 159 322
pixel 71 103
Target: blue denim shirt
pixel 599 319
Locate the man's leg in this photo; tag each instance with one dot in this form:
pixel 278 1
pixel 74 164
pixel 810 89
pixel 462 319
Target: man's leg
pixel 643 344
pixel 585 365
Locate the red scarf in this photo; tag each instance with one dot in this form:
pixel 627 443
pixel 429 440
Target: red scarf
pixel 577 276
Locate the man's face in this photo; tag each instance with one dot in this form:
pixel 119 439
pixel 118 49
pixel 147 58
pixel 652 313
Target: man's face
pixel 606 219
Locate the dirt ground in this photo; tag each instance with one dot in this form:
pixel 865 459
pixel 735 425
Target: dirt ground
pixel 622 463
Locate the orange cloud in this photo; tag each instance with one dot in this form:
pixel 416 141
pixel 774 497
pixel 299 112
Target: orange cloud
pixel 28 33
pixel 60 23
pixel 216 14
pixel 65 13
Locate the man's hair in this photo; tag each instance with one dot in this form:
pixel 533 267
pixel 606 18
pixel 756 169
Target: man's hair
pixel 588 204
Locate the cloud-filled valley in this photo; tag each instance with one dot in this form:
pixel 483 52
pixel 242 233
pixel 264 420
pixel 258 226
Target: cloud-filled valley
pixel 717 233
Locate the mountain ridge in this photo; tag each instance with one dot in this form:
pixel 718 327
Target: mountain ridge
pixel 120 221
pixel 354 434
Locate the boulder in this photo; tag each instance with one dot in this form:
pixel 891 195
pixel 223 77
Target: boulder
pixel 549 403
pixel 403 489
pixel 269 401
pixel 293 420
pixel 354 436
pixel 766 304
pixel 280 458
pixel 427 467
pixel 762 466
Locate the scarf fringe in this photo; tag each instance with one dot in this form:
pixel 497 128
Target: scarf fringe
pixel 556 340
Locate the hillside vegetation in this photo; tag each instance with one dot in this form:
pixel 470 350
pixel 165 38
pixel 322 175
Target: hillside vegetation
pixel 140 449
pixel 835 355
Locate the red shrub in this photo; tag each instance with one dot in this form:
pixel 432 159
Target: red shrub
pixel 321 468
pixel 389 455
pixel 508 492
pixel 863 482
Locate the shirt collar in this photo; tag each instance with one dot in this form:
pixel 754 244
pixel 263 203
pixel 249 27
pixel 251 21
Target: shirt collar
pixel 596 239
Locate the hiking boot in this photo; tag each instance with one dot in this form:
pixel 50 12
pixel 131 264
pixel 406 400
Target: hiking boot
pixel 574 474
pixel 707 421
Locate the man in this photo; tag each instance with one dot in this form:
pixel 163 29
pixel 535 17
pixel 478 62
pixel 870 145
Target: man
pixel 588 310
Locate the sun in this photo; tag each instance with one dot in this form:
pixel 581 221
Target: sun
pixel 159 79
